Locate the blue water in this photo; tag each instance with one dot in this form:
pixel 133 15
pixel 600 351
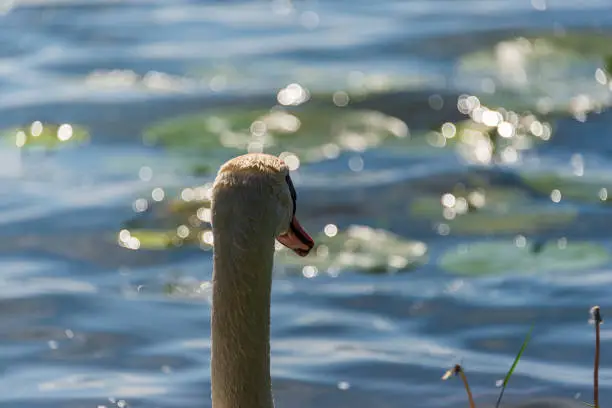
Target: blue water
pixel 87 323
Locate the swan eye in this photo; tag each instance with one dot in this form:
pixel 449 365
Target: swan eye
pixel 292 191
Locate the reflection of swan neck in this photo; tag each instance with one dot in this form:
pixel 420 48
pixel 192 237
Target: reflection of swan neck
pixel 240 365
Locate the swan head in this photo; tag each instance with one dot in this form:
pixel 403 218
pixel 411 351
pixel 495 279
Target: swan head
pixel 256 190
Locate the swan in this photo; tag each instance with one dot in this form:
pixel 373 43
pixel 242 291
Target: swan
pixel 253 202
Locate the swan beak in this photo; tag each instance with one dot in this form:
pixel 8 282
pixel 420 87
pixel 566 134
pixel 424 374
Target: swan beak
pixel 296 239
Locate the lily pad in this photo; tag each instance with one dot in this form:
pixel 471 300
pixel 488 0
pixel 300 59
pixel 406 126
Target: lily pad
pixel 608 64
pixel 360 248
pixel 549 72
pixel 491 134
pixel 492 210
pixel 151 239
pixel 45 135
pixel 579 43
pixel 591 189
pixel 310 132
pixel 155 240
pixel 506 257
pixel 172 222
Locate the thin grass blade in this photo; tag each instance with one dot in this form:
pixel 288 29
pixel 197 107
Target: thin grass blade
pixel 513 367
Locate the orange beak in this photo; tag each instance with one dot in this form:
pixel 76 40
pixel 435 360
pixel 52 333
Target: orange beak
pixel 296 238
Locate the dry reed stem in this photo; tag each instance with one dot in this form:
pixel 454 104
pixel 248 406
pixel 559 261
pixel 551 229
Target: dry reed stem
pixel 467 388
pixel 458 370
pixel 596 314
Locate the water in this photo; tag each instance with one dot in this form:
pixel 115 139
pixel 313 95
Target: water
pixel 88 323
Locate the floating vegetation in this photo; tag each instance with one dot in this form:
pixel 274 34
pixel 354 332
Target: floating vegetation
pixel 307 133
pixel 491 210
pixel 145 239
pixel 576 42
pixel 490 135
pixel 170 223
pixel 358 248
pixel 550 73
pixel 155 240
pixel 152 81
pixel 186 222
pixel 582 188
pixel 518 257
pixel 316 131
pixel 45 135
pixel 543 49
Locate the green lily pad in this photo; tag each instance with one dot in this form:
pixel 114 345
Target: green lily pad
pixel 579 43
pixel 492 134
pixel 155 240
pixel 569 46
pixel 591 189
pixel 202 169
pixel 491 210
pixel 360 248
pixel 546 71
pixel 151 239
pixel 45 135
pixel 310 132
pixel 173 222
pixel 506 257
pixel 186 208
pixel 608 64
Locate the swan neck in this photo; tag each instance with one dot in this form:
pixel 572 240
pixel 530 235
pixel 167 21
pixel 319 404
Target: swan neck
pixel 240 322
